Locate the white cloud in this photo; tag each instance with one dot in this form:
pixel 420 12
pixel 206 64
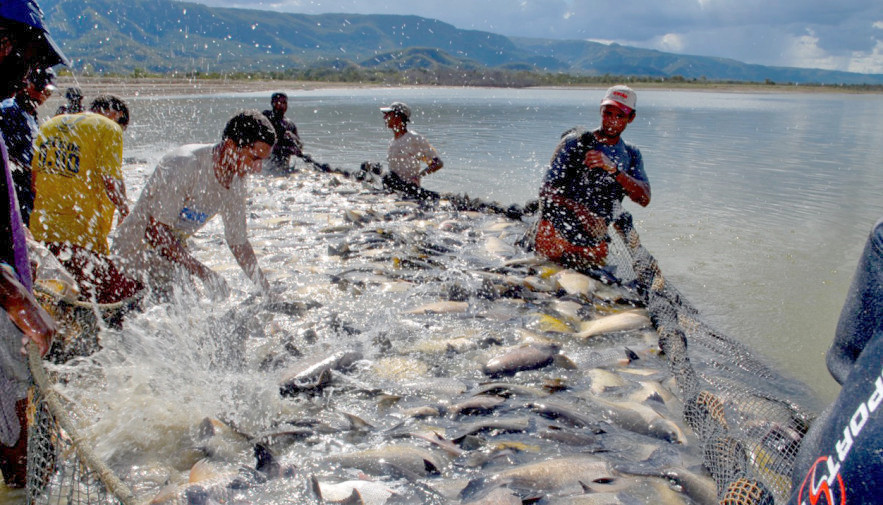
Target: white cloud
pixel 671 42
pixel 867 63
pixel 842 36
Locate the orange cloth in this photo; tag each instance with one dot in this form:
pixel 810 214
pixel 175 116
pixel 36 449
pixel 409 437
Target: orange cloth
pixel 552 245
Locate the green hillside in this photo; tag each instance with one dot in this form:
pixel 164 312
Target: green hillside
pixel 162 36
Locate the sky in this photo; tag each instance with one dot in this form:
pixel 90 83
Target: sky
pixel 833 35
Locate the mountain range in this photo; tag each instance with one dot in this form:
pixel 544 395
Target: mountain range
pixel 163 36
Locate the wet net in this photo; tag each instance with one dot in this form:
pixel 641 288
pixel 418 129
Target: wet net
pixel 736 405
pixel 62 468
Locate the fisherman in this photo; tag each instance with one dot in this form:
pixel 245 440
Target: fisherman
pixel 839 459
pixel 408 149
pixel 590 174
pixel 24 45
pixel 18 122
pixel 288 143
pixel 79 184
pixel 190 186
pixel 74 103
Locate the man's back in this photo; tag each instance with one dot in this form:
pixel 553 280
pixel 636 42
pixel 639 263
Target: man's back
pixel 72 155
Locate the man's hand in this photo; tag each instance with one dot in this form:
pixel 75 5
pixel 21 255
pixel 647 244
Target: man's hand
pixel 25 312
pixel 597 159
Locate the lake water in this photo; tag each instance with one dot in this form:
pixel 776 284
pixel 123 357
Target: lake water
pixel 761 201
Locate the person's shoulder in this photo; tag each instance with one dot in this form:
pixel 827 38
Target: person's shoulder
pixel 188 151
pixel 628 146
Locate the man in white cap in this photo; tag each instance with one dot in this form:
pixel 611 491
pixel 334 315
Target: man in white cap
pixel 590 174
pixel 408 150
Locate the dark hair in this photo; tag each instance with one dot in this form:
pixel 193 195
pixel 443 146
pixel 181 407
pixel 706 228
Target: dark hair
pixel 111 102
pixel 275 96
pixel 73 93
pixel 248 127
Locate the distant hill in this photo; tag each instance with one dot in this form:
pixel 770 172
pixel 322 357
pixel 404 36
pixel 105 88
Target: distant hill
pixel 167 36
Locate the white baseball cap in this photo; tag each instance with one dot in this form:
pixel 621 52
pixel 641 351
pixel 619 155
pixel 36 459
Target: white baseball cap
pixel 399 108
pixel 621 96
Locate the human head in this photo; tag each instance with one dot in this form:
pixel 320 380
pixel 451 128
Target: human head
pixel 621 96
pixel 74 94
pixel 399 109
pixel 24 44
pixel 111 107
pixel 246 142
pixel 248 127
pixel 40 85
pixel 279 101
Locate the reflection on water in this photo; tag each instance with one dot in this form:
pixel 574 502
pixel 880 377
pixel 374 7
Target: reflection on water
pixel 761 202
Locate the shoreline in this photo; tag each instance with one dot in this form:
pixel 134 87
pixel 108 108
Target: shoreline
pixel 132 87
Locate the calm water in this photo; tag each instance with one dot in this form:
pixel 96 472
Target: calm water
pixel 761 202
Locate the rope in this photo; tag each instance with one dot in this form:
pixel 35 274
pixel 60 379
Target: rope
pixel 107 476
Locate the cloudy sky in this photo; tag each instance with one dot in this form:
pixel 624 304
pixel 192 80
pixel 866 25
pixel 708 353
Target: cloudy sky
pixel 845 35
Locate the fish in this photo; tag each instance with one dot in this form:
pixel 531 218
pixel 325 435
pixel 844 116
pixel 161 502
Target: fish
pixel 603 380
pixel 400 368
pixel 477 405
pixel 315 372
pixel 352 492
pixel 561 411
pixel 574 283
pixel 497 496
pixel 700 488
pixel 637 418
pixel 446 307
pixel 381 460
pixel 558 475
pixel 623 321
pixel 526 357
pixel 494 425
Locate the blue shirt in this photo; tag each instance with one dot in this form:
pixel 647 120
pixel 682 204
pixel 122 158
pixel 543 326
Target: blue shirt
pixel 592 188
pixel 19 128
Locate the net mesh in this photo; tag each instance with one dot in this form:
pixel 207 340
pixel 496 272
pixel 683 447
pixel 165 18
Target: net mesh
pixel 736 405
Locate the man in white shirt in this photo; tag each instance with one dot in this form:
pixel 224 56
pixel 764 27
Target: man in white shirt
pixel 191 185
pixel 408 150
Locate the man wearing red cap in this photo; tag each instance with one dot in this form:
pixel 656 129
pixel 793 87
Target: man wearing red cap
pixel 24 45
pixel 590 174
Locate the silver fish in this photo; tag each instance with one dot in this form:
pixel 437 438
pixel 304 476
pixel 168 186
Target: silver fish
pixel 527 357
pixel 308 373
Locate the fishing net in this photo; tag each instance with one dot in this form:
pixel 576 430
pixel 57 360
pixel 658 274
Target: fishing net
pixel 737 406
pixel 62 469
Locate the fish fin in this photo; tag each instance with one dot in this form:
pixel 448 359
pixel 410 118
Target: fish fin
pixel 655 397
pixel 632 355
pixel 357 423
pixel 586 489
pixel 316 488
pixel 353 499
pixel 265 460
pixel 564 362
